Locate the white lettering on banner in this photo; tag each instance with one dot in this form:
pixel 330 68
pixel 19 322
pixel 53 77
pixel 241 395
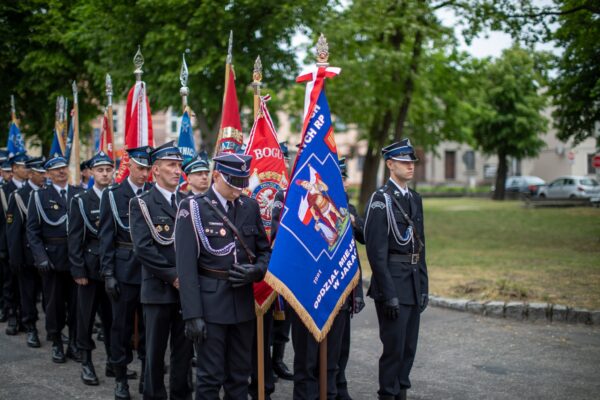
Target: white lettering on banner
pixel 345 265
pixel 310 134
pixel 320 121
pixel 267 152
pixel 315 111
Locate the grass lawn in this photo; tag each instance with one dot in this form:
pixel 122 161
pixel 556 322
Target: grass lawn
pixel 481 249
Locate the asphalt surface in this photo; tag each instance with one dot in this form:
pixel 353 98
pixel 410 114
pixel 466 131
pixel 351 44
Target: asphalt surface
pixel 461 356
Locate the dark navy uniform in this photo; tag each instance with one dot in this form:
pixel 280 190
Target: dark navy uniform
pixel 20 254
pixel 399 283
pixel 119 262
pixel 152 219
pixel 47 236
pixel 84 255
pixel 216 273
pixel 3 254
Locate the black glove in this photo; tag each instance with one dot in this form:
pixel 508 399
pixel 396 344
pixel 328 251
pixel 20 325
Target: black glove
pixel 359 304
pixel 111 285
pixel 195 330
pixel 45 266
pixel 424 302
pixel 243 274
pixel 391 308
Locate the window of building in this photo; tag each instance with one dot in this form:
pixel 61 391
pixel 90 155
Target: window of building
pixel 590 164
pixel 450 165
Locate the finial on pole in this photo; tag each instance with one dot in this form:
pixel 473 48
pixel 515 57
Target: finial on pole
pixel 230 48
pixel 183 78
pixel 109 89
pixel 61 108
pixel 322 51
pixel 13 109
pixel 74 87
pixel 257 73
pixel 138 61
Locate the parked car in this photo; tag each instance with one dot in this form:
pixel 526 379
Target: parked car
pixel 528 185
pixel 571 187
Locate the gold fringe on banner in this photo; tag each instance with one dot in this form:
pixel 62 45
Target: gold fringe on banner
pixel 319 335
pixel 261 310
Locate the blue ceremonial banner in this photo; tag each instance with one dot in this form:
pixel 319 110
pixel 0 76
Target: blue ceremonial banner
pixel 55 147
pixel 15 142
pixel 186 138
pixel 69 141
pixel 314 263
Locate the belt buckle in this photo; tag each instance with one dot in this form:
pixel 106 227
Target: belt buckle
pixel 414 258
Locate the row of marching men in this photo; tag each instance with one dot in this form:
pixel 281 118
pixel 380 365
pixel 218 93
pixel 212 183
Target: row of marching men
pixel 110 251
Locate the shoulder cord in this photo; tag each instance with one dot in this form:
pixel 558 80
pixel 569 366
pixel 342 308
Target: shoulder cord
pixel 402 240
pixel 197 221
pixel 21 205
pixel 160 239
pixel 42 214
pixel 115 211
pixel 4 202
pixel 86 221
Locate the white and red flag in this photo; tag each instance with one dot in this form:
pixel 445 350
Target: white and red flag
pixel 138 125
pixel 268 176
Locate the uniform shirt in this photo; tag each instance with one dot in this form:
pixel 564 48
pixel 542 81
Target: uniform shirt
pixel 221 199
pixel 403 190
pixel 19 184
pixel 58 189
pixel 33 185
pixel 134 187
pixel 98 191
pixel 166 194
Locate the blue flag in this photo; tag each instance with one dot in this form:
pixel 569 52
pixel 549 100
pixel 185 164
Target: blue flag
pixel 15 142
pixel 314 263
pixel 55 148
pixel 186 138
pixel 69 141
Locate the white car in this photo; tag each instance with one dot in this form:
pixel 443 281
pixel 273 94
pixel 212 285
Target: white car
pixel 571 187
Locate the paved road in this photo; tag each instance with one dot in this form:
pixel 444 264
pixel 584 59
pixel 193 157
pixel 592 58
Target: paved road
pixel 461 357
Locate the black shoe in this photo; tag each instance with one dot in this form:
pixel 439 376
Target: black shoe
pixel 110 372
pixel 279 367
pixel 32 338
pixel 58 355
pixel 88 372
pixel 73 352
pixel 122 391
pixel 13 326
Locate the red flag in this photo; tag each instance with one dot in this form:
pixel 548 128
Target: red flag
pixel 106 137
pixel 230 134
pixel 138 125
pixel 268 176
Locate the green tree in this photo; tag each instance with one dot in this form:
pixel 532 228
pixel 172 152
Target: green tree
pixel 507 109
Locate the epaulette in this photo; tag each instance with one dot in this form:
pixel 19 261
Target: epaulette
pixel 144 194
pixel 382 189
pixel 114 186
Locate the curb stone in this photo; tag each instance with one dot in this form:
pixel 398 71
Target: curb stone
pixel 517 310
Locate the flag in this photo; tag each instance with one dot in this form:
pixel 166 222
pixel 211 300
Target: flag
pixel 55 148
pixel 186 138
pixel 314 263
pixel 15 142
pixel 230 137
pixel 72 143
pixel 268 176
pixel 105 142
pixel 138 125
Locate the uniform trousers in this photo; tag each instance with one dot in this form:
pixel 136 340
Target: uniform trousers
pixel 123 325
pixel 10 288
pixel 29 287
pixel 60 296
pixel 399 338
pixel 92 298
pixel 224 359
pixel 164 322
pixel 306 359
pixel 342 382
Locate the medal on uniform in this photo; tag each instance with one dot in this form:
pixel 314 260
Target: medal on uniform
pixel 159 228
pixel 223 232
pixel 56 207
pixel 167 228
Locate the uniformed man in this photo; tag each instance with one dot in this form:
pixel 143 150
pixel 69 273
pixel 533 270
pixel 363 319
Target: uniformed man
pixel 122 270
pixel 84 255
pixel 86 173
pixel 395 247
pixel 20 174
pixel 196 171
pixel 355 302
pixel 47 235
pixel 152 218
pixel 20 252
pixel 5 176
pixel 222 248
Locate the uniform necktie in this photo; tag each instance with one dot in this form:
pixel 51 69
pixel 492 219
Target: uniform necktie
pixel 230 211
pixel 173 201
pixel 63 195
pixel 139 191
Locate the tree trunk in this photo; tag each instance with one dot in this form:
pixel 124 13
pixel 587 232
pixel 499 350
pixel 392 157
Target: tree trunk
pixel 409 86
pixel 377 137
pixel 501 177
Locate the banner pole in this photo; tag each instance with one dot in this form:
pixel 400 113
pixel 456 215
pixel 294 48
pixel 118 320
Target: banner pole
pixel 323 369
pixel 260 353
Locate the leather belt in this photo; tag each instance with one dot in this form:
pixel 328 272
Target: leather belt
pixel 56 240
pixel 213 273
pixel 124 245
pixel 405 258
